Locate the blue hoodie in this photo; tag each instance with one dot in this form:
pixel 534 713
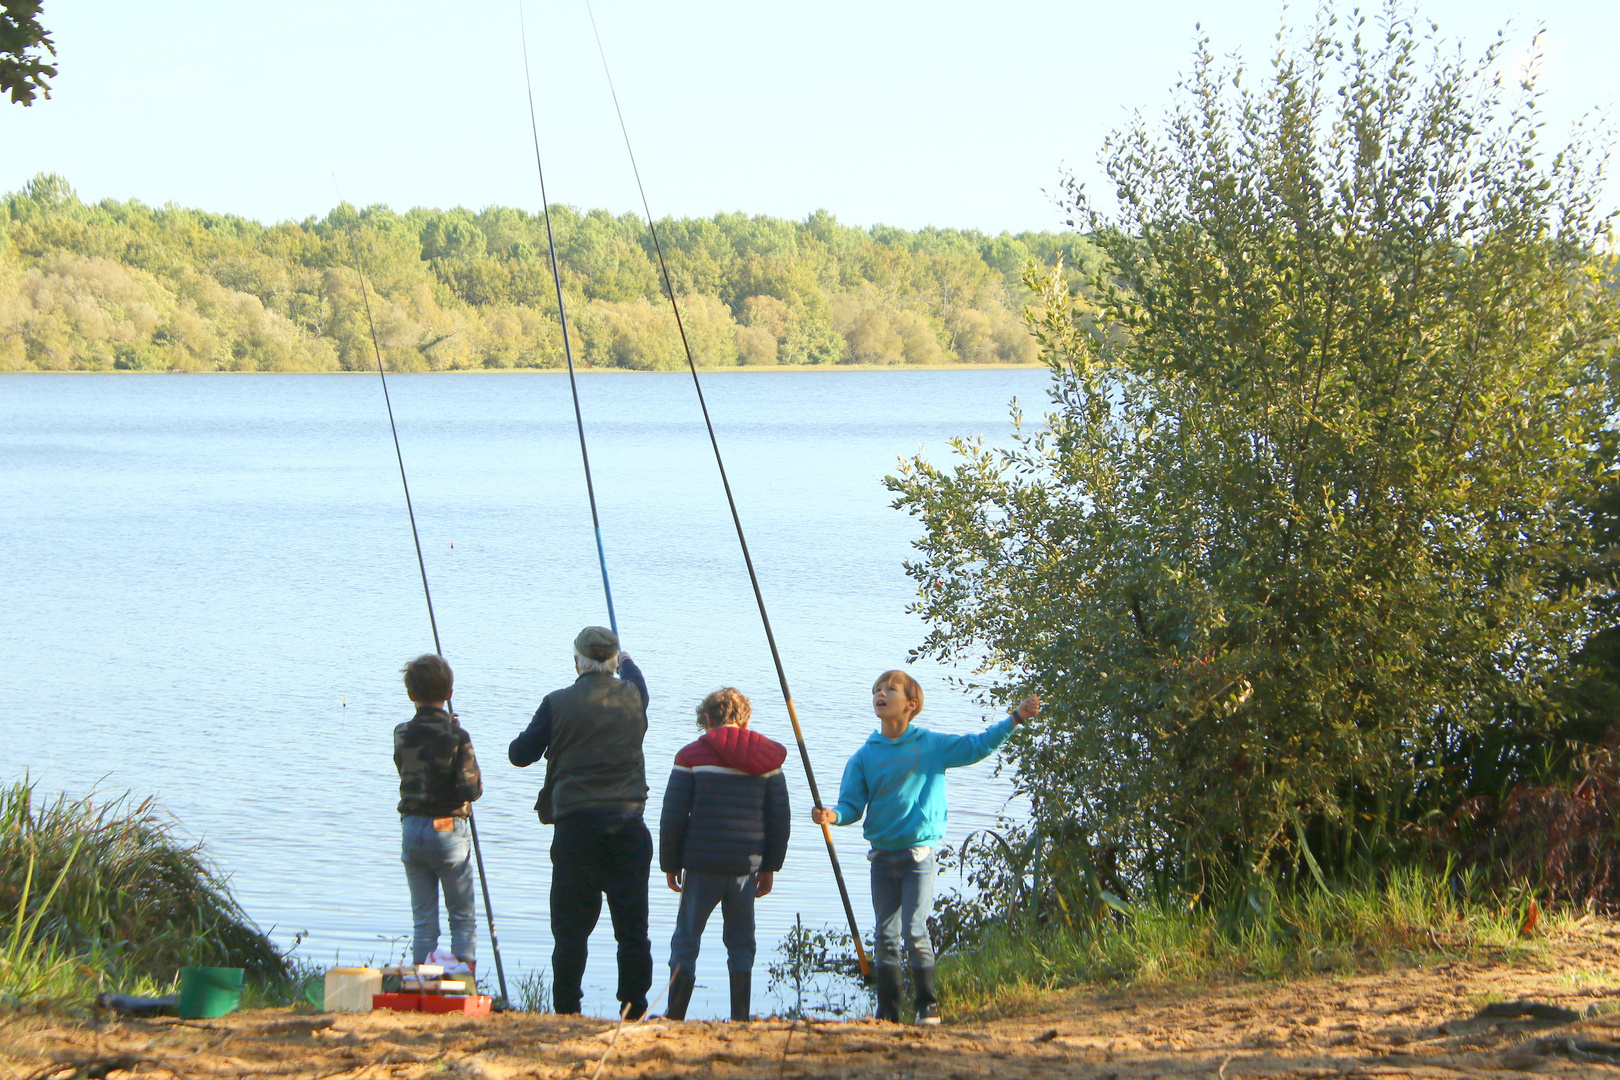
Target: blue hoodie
pixel 900 783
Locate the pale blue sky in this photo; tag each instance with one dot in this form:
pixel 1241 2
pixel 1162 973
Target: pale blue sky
pixel 891 111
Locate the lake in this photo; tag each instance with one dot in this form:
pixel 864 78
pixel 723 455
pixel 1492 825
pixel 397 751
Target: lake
pixel 213 587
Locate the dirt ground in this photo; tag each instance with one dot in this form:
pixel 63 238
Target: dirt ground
pixel 1403 1022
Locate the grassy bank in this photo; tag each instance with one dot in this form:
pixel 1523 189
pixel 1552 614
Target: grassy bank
pixel 1412 916
pixel 103 894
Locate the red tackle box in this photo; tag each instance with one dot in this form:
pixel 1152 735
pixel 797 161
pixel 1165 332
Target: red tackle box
pixel 469 1004
pixel 397 1002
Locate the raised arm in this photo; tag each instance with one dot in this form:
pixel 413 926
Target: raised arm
pixel 531 746
pixel 962 750
pixel 632 674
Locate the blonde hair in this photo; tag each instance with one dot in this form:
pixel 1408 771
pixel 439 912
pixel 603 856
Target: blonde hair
pixel 911 686
pixel 726 705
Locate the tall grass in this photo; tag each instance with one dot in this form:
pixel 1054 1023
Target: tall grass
pixel 103 894
pixel 1412 914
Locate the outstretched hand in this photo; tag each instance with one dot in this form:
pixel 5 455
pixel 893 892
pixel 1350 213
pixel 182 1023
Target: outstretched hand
pixel 1027 708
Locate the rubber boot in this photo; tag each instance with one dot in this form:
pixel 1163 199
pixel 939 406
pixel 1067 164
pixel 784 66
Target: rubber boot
pixel 741 993
pixel 927 998
pixel 680 996
pixel 889 981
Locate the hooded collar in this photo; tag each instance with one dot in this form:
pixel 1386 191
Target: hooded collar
pixel 912 732
pixel 735 748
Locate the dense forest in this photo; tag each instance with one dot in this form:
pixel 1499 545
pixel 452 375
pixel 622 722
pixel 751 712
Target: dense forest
pixel 122 285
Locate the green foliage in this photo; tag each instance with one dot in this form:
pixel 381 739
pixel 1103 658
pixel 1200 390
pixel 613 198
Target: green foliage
pixel 1303 544
pixel 23 70
pixel 98 896
pixel 128 287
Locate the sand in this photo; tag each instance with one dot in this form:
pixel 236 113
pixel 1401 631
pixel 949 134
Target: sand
pixel 1406 1021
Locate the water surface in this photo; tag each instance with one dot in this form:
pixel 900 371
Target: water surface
pixel 213 586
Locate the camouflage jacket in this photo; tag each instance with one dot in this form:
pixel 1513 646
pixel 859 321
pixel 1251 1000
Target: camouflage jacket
pixel 438 774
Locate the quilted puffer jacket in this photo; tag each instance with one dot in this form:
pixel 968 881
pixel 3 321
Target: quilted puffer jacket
pixel 726 807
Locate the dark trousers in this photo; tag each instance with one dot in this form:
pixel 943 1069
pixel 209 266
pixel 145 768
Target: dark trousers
pixel 593 855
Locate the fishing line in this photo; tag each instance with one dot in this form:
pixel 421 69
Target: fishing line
pixel 421 564
pixel 725 482
pixel 562 317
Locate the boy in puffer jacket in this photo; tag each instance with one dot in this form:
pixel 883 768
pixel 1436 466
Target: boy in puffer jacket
pixel 723 836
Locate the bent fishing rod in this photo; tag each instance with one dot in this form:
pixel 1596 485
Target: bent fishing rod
pixel 421 564
pixel 736 518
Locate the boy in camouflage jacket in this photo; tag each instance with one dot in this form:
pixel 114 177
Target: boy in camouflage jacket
pixel 438 782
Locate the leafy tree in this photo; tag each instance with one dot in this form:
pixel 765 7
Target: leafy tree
pixel 1300 525
pixel 24 74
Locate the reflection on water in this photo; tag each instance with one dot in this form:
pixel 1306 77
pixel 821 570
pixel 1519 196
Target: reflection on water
pixel 213 588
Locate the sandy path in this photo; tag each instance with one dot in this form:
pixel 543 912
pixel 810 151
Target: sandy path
pixel 1383 1024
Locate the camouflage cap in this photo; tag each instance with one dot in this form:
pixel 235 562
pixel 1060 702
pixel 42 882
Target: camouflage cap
pixel 597 643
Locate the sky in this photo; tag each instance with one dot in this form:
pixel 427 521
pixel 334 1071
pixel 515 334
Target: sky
pixel 880 111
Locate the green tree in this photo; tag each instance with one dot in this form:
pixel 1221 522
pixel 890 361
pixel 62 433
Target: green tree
pixel 1300 520
pixel 24 74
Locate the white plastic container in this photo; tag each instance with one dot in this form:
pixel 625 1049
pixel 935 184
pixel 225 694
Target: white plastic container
pixel 349 989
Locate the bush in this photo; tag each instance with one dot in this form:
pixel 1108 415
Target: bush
pixel 112 898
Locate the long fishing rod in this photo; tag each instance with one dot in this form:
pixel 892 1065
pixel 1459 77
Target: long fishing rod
pixel 736 518
pixel 562 317
pixel 421 564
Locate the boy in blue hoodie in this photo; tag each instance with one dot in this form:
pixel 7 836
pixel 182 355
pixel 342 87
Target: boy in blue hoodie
pixel 897 780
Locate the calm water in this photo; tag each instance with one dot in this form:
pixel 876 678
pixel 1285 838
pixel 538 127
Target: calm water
pixel 212 588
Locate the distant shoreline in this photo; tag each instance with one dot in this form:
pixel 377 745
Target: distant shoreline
pixel 752 368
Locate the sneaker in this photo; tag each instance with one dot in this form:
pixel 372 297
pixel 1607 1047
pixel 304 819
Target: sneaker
pixel 928 1015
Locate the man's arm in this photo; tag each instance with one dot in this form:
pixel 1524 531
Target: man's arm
pixel 632 674
pixel 531 746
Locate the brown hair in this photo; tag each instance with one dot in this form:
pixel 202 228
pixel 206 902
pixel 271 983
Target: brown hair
pixel 725 706
pixel 911 686
pixel 428 678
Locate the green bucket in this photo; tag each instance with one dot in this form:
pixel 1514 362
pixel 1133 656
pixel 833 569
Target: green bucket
pixel 209 992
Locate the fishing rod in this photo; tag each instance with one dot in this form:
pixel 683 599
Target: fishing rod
pixel 421 564
pixel 562 317
pixel 736 518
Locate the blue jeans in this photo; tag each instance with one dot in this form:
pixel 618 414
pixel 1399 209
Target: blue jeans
pixel 902 897
pixel 433 860
pixel 699 894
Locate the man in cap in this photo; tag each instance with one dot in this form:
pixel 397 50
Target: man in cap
pixel 596 788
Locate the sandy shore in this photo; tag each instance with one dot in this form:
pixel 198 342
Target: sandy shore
pixel 1402 1022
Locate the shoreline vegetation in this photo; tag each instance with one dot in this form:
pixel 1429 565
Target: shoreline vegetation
pixel 778 368
pixel 122 286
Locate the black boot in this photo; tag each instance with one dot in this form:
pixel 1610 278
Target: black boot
pixel 927 999
pixel 741 992
pixel 889 980
pixel 680 996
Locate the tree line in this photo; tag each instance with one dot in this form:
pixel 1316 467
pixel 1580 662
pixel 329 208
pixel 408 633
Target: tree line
pixel 126 286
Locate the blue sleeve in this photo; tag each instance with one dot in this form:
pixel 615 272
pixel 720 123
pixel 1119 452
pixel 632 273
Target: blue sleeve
pixel 632 674
pixel 673 822
pixel 531 746
pixel 962 750
pixel 852 793
pixel 778 822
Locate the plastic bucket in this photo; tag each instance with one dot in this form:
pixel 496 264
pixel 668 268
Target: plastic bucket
pixel 209 992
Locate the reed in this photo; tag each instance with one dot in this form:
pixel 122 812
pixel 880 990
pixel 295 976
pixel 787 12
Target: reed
pixel 103 894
